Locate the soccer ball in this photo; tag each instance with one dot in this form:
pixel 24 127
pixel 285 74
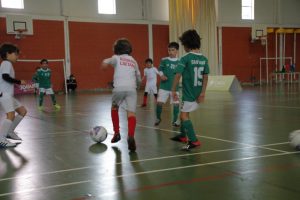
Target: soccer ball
pixel 98 134
pixel 294 138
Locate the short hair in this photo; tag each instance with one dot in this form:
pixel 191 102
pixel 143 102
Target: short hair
pixel 122 46
pixel 190 39
pixel 44 60
pixel 174 45
pixel 8 48
pixel 149 60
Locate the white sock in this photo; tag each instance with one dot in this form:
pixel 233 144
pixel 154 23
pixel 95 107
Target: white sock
pixel 5 128
pixel 15 123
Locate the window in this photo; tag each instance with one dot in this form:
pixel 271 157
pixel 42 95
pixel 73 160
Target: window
pixel 107 6
pixel 18 4
pixel 248 9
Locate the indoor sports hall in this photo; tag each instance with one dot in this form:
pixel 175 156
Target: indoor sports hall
pixel 244 124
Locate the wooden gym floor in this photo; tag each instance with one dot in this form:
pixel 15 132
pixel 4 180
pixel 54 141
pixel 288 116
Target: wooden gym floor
pixel 245 153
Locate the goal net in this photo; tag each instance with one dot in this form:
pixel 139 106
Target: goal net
pixel 26 68
pixel 267 66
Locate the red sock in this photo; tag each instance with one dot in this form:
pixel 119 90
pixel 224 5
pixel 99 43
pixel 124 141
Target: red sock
pixel 115 120
pixel 131 126
pixel 145 100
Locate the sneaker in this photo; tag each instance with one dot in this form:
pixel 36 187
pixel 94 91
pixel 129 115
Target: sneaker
pixel 190 145
pixel 40 108
pixel 143 105
pixel 176 124
pixel 5 143
pixel 56 106
pixel 13 136
pixel 131 144
pixel 116 138
pixel 179 138
pixel 157 122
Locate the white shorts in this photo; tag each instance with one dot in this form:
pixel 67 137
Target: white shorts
pixel 187 106
pixel 125 99
pixel 47 91
pixel 163 96
pixel 151 88
pixel 9 103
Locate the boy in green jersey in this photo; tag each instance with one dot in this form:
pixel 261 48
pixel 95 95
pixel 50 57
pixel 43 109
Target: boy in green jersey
pixel 43 77
pixel 167 72
pixel 194 69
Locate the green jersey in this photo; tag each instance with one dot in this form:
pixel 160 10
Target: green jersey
pixel 192 66
pixel 167 67
pixel 43 77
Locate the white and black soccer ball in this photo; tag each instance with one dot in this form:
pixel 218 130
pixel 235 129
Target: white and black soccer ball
pixel 294 139
pixel 98 133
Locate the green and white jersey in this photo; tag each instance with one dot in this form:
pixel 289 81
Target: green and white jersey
pixel 167 67
pixel 44 78
pixel 192 66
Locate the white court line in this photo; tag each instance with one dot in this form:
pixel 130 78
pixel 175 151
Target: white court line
pixel 212 138
pixel 122 163
pixel 147 172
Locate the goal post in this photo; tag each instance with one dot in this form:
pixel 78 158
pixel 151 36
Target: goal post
pixel 271 66
pixel 25 69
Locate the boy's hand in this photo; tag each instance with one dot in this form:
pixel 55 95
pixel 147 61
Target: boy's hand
pixel 201 98
pixel 164 78
pixel 175 96
pixel 23 82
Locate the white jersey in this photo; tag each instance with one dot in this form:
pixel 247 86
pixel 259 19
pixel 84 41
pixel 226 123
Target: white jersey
pixel 126 74
pixel 7 68
pixel 151 75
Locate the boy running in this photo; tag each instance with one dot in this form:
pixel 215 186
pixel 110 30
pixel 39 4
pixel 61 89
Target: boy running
pixel 43 77
pixel 9 54
pixel 127 77
pixel 194 69
pixel 167 71
pixel 150 73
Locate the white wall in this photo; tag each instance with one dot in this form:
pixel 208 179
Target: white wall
pixel 156 10
pixel 269 12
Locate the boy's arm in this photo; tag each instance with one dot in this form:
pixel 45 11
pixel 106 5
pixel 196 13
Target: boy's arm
pixel 174 86
pixel 204 84
pixel 108 61
pixel 9 79
pixel 138 76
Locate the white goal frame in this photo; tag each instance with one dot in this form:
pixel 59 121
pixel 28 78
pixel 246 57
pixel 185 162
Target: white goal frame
pixel 267 66
pixel 51 60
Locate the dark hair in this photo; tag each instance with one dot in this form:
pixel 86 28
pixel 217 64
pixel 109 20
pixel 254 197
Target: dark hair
pixel 44 60
pixel 122 46
pixel 8 48
pixel 149 60
pixel 190 39
pixel 174 45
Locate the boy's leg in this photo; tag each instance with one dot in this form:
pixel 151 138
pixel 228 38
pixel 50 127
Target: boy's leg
pixel 41 100
pixel 115 121
pixel 175 114
pixel 131 131
pixel 21 114
pixel 54 101
pixel 4 128
pixel 187 126
pixel 155 96
pixel 145 99
pixel 158 113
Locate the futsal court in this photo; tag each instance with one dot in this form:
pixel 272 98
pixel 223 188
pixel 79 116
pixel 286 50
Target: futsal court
pixel 245 153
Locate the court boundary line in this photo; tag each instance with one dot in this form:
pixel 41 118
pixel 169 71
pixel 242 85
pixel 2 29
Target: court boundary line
pixel 148 172
pixel 213 138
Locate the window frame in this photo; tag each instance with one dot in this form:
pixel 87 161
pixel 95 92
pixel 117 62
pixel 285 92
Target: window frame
pixel 10 6
pixel 244 9
pixel 112 10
